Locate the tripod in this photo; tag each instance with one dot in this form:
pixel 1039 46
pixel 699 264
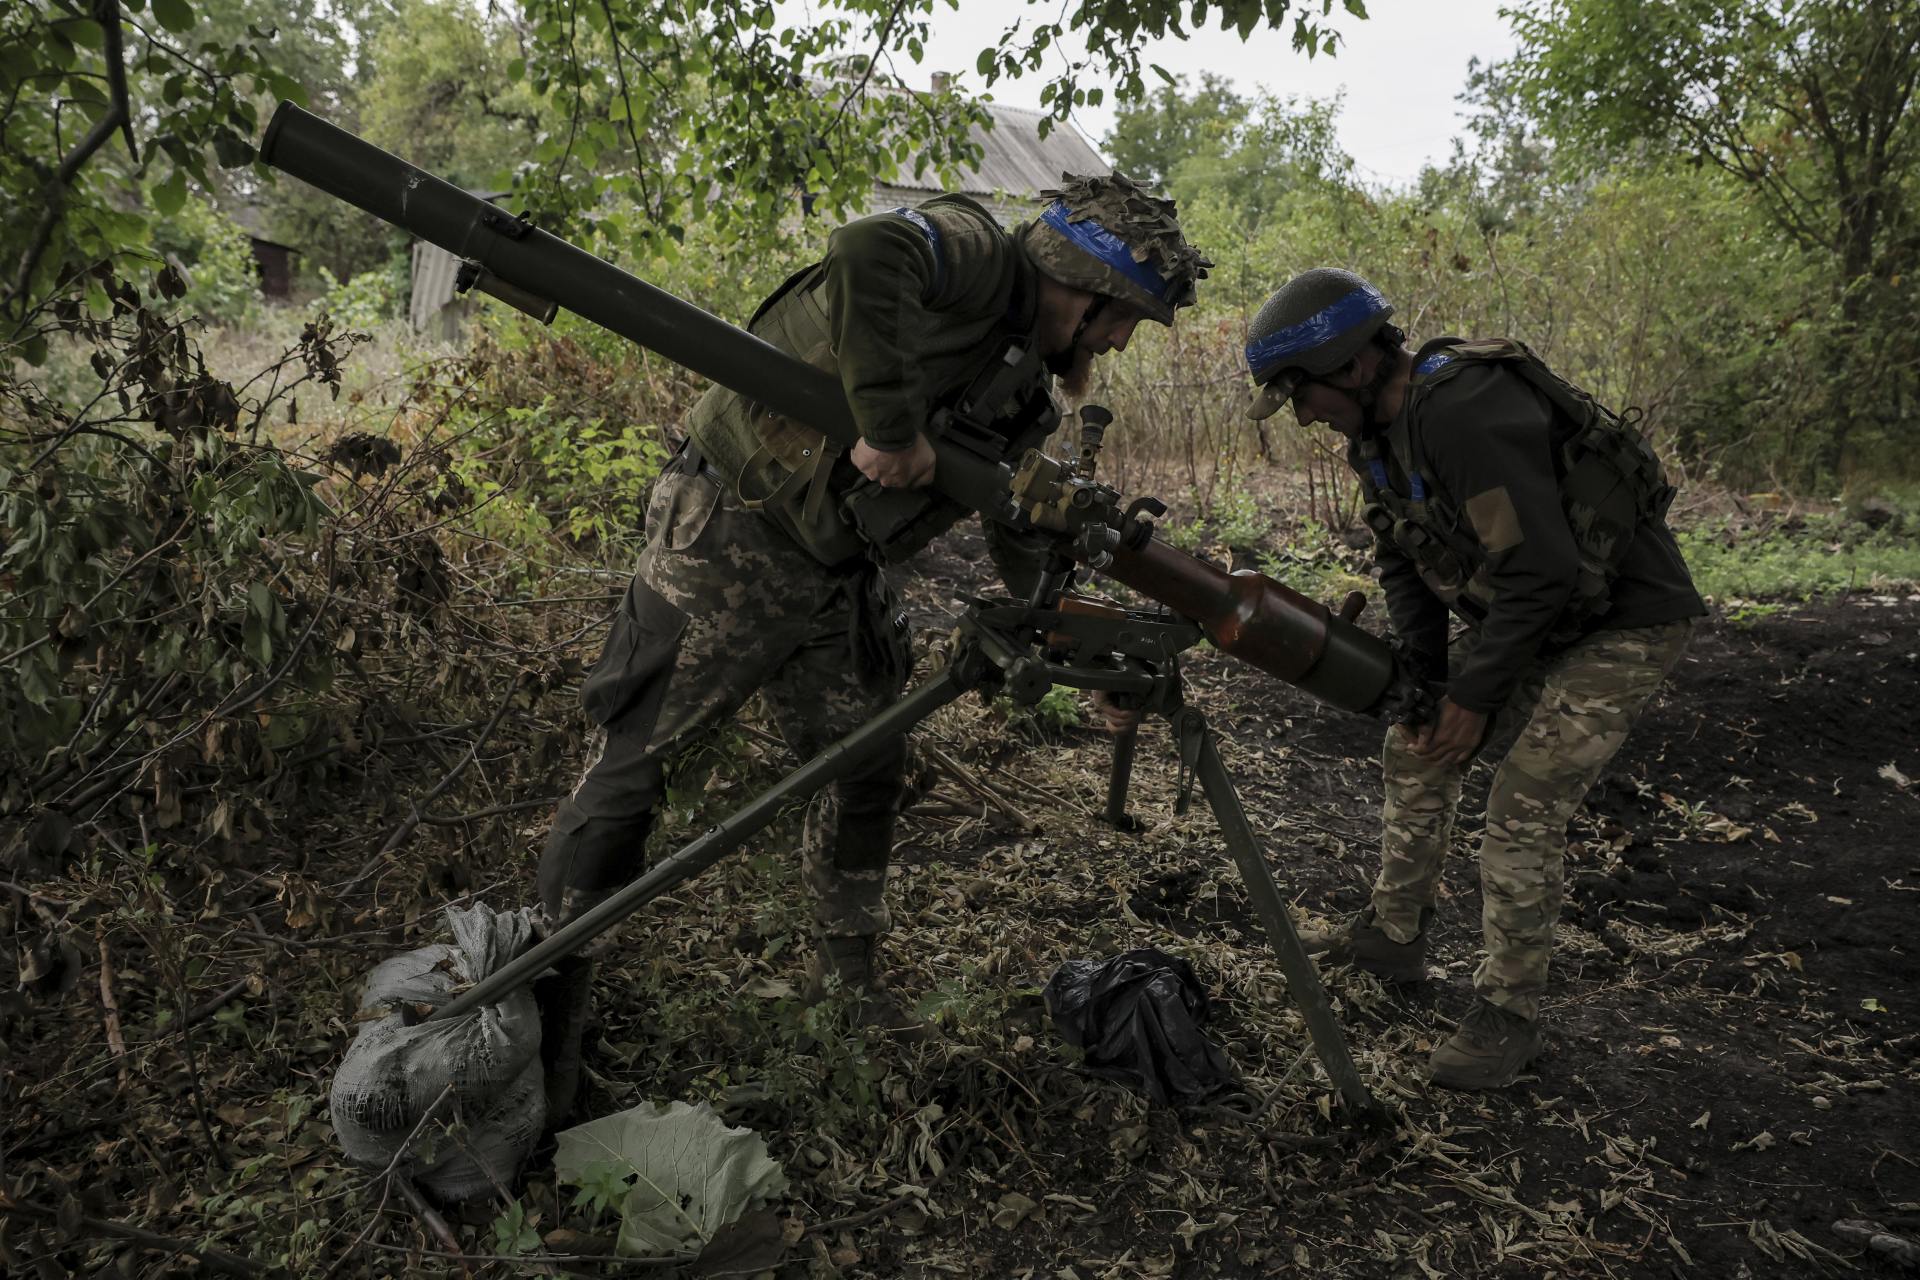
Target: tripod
pixel 1024 648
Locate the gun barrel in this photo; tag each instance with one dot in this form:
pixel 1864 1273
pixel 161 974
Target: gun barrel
pixel 543 266
pixel 1265 624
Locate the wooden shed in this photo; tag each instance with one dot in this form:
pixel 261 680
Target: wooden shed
pixel 274 263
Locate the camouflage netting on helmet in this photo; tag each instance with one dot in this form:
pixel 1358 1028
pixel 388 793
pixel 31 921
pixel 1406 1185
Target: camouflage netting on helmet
pixel 1147 227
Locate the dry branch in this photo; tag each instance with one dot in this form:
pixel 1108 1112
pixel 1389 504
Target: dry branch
pixel 226 1264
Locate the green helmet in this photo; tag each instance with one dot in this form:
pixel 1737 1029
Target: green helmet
pixel 1313 325
pixel 1106 234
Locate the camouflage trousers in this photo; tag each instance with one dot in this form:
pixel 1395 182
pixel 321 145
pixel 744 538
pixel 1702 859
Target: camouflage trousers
pixel 724 605
pixel 1571 713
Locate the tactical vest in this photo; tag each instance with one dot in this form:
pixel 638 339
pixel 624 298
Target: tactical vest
pixel 1609 478
pixel 988 392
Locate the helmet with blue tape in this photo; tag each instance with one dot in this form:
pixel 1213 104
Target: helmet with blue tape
pixel 1106 234
pixel 1313 325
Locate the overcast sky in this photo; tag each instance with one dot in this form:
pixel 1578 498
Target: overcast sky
pixel 1400 69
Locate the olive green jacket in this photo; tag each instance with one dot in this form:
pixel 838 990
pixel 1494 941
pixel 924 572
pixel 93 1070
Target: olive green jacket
pixel 905 307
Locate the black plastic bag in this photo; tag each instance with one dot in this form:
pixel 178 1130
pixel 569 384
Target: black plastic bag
pixel 1137 1017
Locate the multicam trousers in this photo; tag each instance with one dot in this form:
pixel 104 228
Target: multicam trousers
pixel 723 605
pixel 1572 711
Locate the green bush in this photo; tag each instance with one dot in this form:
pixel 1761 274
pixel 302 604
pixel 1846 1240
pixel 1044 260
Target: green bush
pixel 223 280
pixel 366 301
pixel 151 563
pixel 1802 557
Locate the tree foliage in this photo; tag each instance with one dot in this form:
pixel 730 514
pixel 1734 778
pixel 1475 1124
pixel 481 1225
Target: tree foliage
pixel 630 118
pixel 107 111
pixel 1252 152
pixel 1807 104
pixel 722 110
pixel 1810 105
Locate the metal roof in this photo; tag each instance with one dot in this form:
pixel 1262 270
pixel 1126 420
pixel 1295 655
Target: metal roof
pixel 1015 158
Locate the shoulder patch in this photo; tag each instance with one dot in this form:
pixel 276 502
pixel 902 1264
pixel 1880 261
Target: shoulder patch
pixel 1494 520
pixel 932 233
pixel 1437 360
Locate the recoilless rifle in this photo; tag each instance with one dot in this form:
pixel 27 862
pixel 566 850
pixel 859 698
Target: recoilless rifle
pixel 1024 647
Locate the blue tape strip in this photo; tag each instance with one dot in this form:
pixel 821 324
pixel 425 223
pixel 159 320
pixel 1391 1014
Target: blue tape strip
pixel 1432 362
pixel 932 233
pixel 1380 480
pixel 1108 248
pixel 1274 350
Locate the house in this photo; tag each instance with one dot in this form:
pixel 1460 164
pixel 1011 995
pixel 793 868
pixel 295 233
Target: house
pixel 1016 165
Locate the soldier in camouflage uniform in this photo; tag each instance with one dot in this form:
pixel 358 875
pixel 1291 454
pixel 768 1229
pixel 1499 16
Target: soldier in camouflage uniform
pixel 761 572
pixel 1505 495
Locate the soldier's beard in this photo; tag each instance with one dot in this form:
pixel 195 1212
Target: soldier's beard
pixel 1074 368
pixel 1369 396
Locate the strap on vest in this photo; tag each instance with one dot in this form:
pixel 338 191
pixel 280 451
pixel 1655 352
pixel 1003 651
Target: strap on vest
pixel 824 455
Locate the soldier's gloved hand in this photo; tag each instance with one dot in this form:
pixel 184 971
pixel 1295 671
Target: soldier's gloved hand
pixel 908 468
pixel 1119 718
pixel 1452 736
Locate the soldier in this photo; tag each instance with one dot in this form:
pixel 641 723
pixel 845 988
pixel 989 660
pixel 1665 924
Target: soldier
pixel 1503 493
pixel 761 570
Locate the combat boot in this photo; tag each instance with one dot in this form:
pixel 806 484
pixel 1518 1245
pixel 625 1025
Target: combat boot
pixel 564 997
pixel 1489 1049
pixel 1365 945
pixel 848 966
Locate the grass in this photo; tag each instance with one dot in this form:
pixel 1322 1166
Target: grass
pixel 1794 558
pixel 1802 558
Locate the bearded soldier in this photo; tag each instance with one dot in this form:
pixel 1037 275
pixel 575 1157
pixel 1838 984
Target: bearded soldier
pixel 761 570
pixel 1505 495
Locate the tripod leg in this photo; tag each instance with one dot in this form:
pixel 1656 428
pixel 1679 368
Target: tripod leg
pixel 718 841
pixel 1119 779
pixel 1196 742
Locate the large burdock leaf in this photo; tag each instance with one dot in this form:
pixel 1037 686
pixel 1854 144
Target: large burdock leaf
pixel 689 1174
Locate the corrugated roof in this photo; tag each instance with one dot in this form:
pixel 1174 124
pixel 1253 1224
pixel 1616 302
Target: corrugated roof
pixel 1015 158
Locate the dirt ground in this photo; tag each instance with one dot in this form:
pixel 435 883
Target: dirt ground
pixel 1733 1027
pixel 1734 1023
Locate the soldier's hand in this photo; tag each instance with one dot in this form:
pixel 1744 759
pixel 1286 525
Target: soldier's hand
pixel 1452 736
pixel 1119 718
pixel 909 468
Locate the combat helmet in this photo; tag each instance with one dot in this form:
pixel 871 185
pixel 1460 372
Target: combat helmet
pixel 1106 234
pixel 1313 325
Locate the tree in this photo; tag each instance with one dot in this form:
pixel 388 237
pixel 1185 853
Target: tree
pixel 719 111
pixel 1808 104
pixel 681 110
pixel 440 92
pixel 77 82
pixel 1151 137
pixel 1510 168
pixel 1252 153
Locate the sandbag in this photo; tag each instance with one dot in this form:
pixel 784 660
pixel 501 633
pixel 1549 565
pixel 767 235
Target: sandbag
pixel 1137 1017
pixel 479 1075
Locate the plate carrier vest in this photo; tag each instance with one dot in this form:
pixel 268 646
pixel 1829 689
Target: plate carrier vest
pixel 1610 481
